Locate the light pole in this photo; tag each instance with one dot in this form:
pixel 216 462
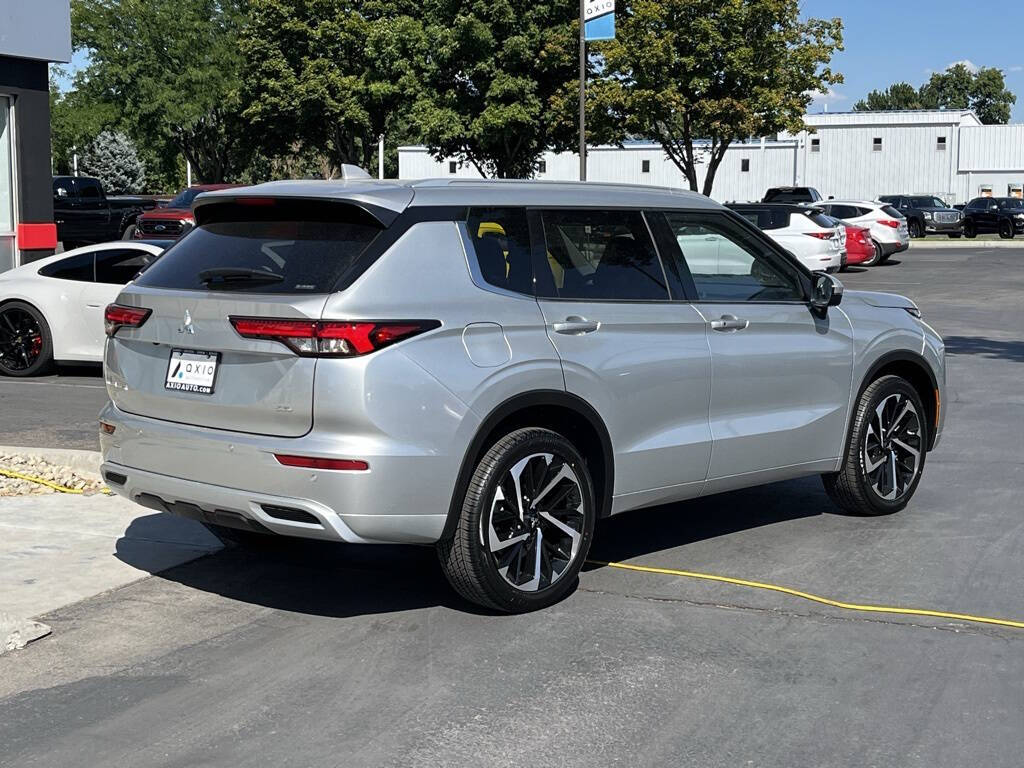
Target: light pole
pixel 583 93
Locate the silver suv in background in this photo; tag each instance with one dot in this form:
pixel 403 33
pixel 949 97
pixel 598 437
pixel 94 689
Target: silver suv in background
pixel 491 367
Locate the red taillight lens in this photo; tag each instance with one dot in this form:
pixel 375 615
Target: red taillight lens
pixel 890 223
pixel 311 462
pixel 821 235
pixel 330 338
pixel 118 316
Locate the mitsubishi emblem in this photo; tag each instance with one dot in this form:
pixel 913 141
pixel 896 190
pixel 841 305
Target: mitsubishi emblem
pixel 187 326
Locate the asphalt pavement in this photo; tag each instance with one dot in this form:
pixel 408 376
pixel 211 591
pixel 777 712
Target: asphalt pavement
pixel 317 655
pixel 60 410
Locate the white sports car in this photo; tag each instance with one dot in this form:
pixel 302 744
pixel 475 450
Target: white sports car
pixel 52 309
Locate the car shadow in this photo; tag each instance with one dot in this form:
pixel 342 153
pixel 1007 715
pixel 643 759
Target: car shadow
pixel 994 349
pixel 80 369
pixel 852 270
pixel 655 529
pixel 889 263
pixel 343 580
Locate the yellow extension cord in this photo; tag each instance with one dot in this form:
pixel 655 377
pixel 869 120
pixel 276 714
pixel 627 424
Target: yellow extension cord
pixel 49 484
pixel 814 598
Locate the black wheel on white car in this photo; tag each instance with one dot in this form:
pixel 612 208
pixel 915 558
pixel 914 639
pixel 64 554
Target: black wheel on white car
pixel 26 346
pixel 525 526
pixel 885 450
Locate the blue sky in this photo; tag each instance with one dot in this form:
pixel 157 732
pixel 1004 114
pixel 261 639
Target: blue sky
pixel 908 39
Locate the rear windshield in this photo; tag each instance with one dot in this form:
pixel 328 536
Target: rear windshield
pixel 888 210
pixel 795 195
pixel 766 218
pixel 822 220
pixel 274 251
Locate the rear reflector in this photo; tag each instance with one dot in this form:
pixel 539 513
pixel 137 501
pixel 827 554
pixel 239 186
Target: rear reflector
pixel 311 462
pixel 890 223
pixel 118 316
pixel 330 338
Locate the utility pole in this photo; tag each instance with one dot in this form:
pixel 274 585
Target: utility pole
pixel 380 157
pixel 583 93
pixel 188 174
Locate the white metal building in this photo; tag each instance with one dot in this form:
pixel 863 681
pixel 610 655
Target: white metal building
pixel 844 154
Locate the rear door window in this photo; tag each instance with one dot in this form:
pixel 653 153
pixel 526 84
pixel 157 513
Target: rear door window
pixel 500 238
pixel 275 246
pixel 600 254
pixel 78 267
pixel 88 189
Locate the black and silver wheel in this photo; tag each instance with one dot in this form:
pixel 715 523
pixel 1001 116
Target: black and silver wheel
pixel 876 257
pixel 885 450
pixel 1006 229
pixel 526 523
pixel 915 228
pixel 26 348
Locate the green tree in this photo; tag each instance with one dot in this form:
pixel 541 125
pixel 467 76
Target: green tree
pixel 492 84
pixel 173 68
pixel 112 158
pixel 76 118
pixel 983 91
pixel 330 74
pixel 681 71
pixel 896 96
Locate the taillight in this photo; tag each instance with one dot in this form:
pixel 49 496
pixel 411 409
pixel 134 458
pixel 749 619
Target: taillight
pixel 119 316
pixel 330 338
pixel 890 223
pixel 313 462
pixel 821 235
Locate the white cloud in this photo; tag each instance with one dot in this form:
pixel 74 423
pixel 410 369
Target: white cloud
pixel 826 97
pixel 971 66
pixel 1015 68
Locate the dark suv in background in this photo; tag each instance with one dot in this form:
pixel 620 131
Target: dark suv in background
pixel 792 195
pixel 1004 215
pixel 927 215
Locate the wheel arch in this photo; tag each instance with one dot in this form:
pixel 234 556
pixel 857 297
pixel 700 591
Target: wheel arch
pixel 560 411
pixel 916 370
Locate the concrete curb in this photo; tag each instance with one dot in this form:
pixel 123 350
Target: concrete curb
pixel 85 463
pixel 962 242
pixel 16 633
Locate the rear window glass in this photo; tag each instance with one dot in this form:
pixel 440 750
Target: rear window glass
pixel 274 248
pixel 821 219
pixel 888 210
pixel 766 218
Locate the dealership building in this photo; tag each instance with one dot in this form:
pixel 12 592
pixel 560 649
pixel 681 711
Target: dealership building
pixel 32 34
pixel 845 155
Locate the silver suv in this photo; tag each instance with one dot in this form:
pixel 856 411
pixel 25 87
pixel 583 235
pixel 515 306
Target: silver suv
pixel 491 367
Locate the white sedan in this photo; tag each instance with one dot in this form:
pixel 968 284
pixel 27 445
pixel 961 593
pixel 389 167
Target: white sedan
pixel 52 309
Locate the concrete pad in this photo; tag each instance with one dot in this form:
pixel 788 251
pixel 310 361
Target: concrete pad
pixel 59 549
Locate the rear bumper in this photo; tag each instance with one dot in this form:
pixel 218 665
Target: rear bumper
pixel 888 249
pixel 234 479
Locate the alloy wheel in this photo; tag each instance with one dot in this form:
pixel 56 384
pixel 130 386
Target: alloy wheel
pixel 21 339
pixel 535 523
pixel 892 447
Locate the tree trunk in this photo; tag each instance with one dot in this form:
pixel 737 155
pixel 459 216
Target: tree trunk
pixel 717 155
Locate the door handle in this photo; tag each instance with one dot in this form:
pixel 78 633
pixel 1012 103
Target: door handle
pixel 574 325
pixel 729 323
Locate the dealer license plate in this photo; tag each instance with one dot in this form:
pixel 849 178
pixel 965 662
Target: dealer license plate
pixel 192 371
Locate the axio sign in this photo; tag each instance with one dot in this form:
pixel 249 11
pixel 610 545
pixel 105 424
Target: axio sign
pixel 599 19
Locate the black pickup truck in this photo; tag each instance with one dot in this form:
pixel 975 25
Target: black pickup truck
pixel 84 214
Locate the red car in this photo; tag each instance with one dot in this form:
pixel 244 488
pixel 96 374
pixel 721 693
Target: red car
pixel 859 248
pixel 174 219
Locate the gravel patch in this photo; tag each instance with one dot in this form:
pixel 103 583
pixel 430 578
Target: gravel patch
pixel 36 467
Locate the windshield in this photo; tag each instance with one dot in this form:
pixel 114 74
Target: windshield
pixel 926 202
pixel 184 198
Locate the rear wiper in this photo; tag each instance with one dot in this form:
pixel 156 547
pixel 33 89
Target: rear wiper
pixel 225 276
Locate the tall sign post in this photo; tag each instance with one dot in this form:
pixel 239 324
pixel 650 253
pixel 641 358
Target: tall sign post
pixel 597 22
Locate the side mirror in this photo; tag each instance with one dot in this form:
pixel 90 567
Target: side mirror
pixel 826 292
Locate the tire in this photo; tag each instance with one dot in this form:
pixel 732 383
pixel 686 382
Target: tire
pixel 1006 229
pixel 970 230
pixel 954 235
pixel 876 259
pixel 915 228
pixel 862 487
pixel 129 232
pixel 500 578
pixel 26 345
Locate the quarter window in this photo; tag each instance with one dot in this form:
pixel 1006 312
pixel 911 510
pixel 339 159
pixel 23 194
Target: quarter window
pixel 728 263
pixel 500 238
pixel 599 254
pixel 120 266
pixel 78 267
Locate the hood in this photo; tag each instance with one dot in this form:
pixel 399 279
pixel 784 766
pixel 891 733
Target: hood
pixel 175 214
pixel 876 299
